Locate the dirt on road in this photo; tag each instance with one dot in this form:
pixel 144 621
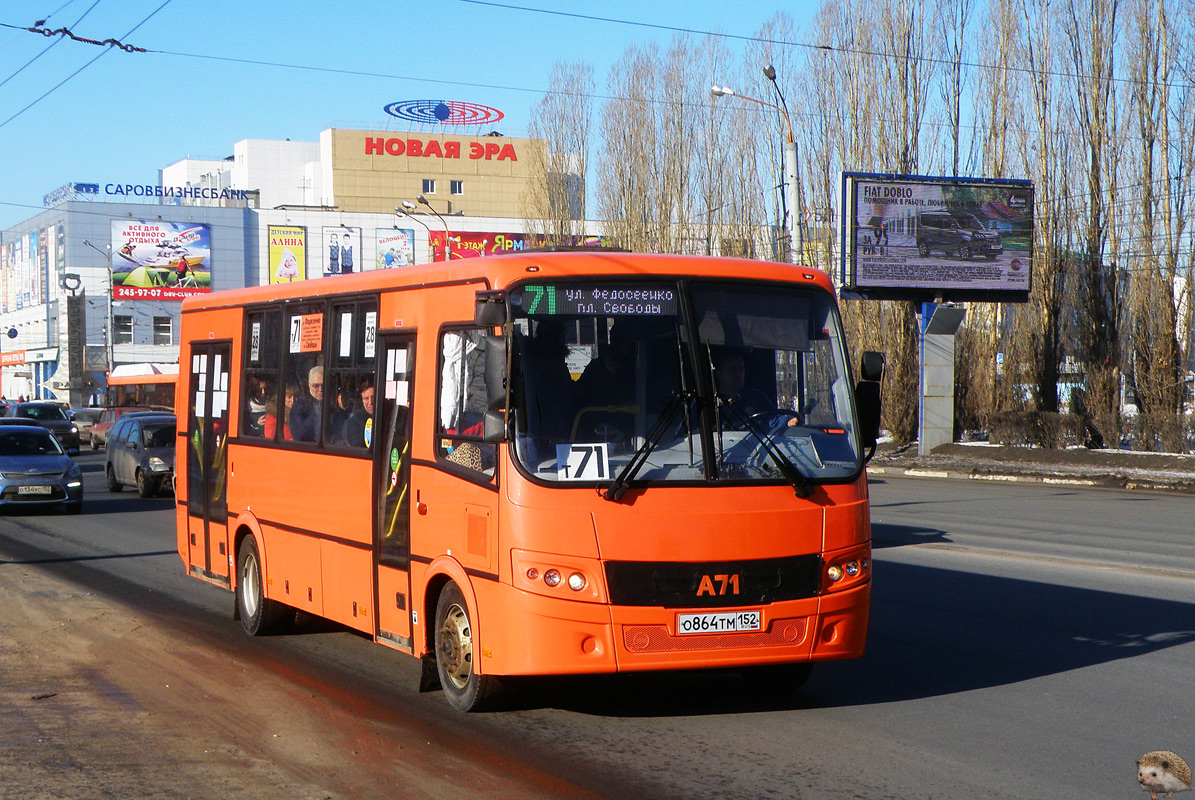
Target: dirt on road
pixel 100 701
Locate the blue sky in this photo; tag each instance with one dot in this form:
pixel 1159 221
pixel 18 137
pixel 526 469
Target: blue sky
pixel 127 115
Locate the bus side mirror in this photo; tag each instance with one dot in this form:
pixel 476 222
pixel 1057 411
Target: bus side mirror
pixel 493 426
pixel 871 366
pixel 489 310
pixel 495 371
pixel 867 400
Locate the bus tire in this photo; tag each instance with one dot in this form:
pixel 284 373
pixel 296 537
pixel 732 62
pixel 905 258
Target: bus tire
pixel 259 615
pixel 465 689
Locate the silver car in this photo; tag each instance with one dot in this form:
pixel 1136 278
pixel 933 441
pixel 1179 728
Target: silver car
pixel 140 452
pixel 36 472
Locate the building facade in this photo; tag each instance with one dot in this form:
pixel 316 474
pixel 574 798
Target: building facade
pixel 97 279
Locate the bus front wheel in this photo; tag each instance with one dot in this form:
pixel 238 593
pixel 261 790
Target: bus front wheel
pixel 259 615
pixel 465 689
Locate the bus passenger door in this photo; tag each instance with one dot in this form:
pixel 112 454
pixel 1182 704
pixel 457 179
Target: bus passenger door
pixel 207 464
pixel 391 489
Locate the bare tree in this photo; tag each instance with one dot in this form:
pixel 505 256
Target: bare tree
pixel 562 119
pixel 1090 31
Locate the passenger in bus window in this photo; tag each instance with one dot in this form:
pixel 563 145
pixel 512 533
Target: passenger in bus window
pixel 343 404
pixel 270 421
pixel 354 427
pixel 730 378
pixel 307 415
pixel 261 401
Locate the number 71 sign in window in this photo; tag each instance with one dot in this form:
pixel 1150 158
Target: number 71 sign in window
pixel 582 462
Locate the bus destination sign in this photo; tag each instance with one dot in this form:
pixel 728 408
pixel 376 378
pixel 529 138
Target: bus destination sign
pixel 612 300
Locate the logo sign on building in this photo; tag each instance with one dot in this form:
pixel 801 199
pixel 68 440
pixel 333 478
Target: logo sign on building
pixel 155 260
pixel 288 253
pixel 443 112
pixel 342 250
pixel 916 237
pixel 396 248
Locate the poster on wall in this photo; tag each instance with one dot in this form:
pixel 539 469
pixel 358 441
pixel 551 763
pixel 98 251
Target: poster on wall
pixel 342 250
pixel 288 253
pixel 396 248
pixel 472 244
pixel 155 260
pixel 961 238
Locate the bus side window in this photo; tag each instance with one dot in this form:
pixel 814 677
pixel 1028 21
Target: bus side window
pixel 463 402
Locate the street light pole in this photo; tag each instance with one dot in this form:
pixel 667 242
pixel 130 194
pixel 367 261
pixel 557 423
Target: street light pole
pixel 791 184
pixel 447 233
pixel 109 353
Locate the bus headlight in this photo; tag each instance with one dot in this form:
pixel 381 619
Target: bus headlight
pixel 552 577
pixel 834 573
pixel 576 581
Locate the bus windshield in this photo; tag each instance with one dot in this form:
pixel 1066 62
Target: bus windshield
pixel 694 381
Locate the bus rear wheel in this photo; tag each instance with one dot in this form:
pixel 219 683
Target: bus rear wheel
pixel 259 615
pixel 465 689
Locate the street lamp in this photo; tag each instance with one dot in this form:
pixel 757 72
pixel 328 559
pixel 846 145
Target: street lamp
pixel 108 348
pixel 791 184
pixel 447 234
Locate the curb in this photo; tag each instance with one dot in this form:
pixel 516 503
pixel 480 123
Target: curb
pixel 1107 481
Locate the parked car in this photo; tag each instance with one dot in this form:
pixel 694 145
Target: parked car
pixel 35 470
pixel 140 452
pixel 98 435
pixel 84 418
pixel 50 415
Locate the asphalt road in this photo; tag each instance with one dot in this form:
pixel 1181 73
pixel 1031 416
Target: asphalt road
pixel 1026 640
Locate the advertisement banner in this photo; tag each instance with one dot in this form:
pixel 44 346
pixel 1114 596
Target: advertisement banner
pixel 288 253
pixel 396 248
pixel 155 260
pixel 342 248
pixel 962 237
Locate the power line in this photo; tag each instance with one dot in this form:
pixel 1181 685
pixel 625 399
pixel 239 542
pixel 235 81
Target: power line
pixel 50 46
pixel 102 53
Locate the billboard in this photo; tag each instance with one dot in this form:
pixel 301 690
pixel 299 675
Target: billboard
pixel 918 237
pixel 471 244
pixel 342 250
pixel 396 248
pixel 288 253
pixel 25 270
pixel 156 260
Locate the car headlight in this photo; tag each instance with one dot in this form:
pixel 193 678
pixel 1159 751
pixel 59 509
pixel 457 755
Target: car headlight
pixel 157 465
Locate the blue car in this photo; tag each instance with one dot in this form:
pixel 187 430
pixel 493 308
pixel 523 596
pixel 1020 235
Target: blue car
pixel 36 472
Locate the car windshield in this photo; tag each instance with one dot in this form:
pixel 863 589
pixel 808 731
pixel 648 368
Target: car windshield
pixel 28 443
pixel 40 413
pixel 158 436
pixel 754 387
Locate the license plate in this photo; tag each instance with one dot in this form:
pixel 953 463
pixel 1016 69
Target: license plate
pixel 719 622
pixel 35 489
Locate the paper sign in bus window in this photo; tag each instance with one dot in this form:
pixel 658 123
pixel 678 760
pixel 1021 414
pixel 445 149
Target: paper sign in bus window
pixel 582 462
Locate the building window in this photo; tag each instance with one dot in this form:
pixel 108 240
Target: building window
pixel 122 330
pixel 458 187
pixel 163 330
pixel 429 186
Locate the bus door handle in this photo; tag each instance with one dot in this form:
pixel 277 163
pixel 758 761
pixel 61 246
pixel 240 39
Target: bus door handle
pixel 420 506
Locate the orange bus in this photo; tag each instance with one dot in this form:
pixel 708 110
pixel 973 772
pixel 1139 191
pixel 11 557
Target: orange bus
pixel 537 463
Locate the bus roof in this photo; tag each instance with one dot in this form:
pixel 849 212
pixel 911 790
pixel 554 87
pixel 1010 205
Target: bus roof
pixel 502 270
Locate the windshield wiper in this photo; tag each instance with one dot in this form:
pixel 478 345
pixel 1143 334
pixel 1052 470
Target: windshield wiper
pixel 802 484
pixel 615 490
